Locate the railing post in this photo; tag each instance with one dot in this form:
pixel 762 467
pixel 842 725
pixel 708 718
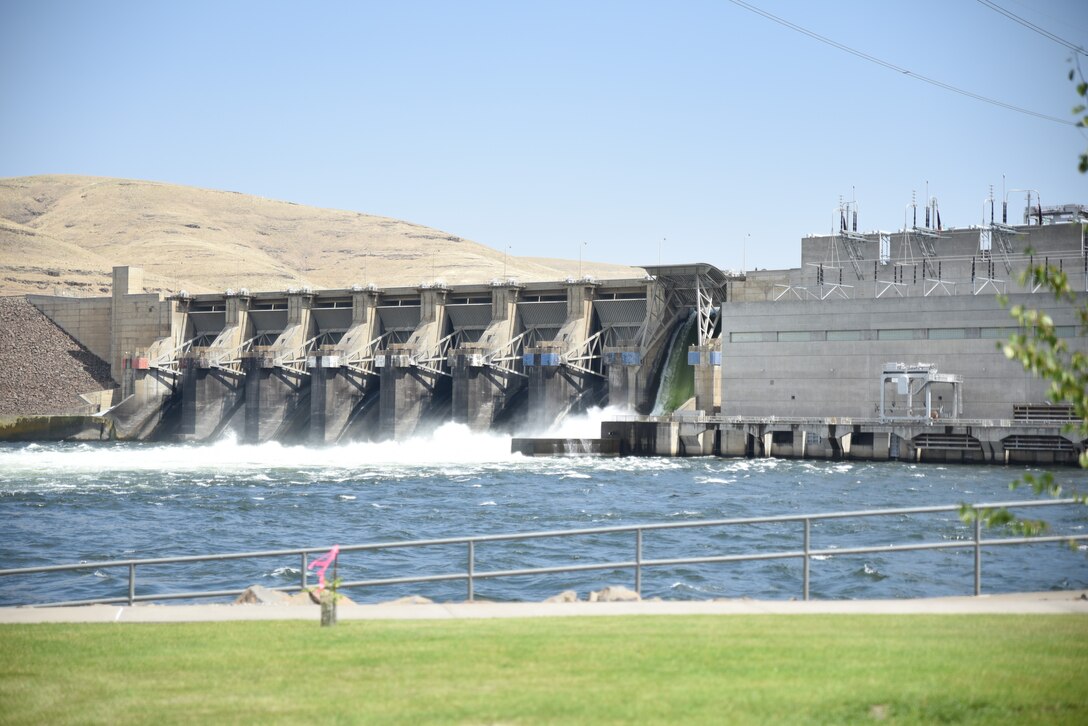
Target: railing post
pixel 808 537
pixel 638 561
pixel 471 568
pixel 131 583
pixel 978 553
pixel 304 566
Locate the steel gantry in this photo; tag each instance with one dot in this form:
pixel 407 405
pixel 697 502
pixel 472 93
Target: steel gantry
pixel 700 287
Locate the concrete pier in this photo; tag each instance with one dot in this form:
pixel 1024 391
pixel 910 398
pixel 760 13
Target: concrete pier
pixel 486 370
pixel 565 374
pixel 633 357
pixel 556 390
pixel 212 400
pixel 646 436
pixel 343 380
pixel 411 399
pixel 483 395
pixel 277 400
pixel 212 377
pixel 339 400
pixel 277 383
pixel 706 360
pixel 415 387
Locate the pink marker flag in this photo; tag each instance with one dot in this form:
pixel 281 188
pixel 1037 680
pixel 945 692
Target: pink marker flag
pixel 321 564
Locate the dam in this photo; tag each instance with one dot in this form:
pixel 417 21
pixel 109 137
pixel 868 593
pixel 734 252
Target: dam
pixel 364 363
pixel 879 345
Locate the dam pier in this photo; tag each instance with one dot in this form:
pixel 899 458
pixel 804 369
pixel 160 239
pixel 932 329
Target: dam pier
pixel 878 346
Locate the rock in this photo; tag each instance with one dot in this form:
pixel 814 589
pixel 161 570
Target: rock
pixel 565 596
pixel 301 598
pixel 261 595
pixel 411 600
pixel 614 593
pixel 310 597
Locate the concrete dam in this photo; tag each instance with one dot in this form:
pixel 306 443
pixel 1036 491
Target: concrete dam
pixel 878 346
pixel 323 366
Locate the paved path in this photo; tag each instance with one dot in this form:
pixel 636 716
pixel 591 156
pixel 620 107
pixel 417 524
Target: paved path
pixel 1075 601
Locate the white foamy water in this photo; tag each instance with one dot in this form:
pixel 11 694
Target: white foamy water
pixel 583 425
pixel 450 443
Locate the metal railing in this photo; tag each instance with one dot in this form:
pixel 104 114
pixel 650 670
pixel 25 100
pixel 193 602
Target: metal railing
pixel 470 575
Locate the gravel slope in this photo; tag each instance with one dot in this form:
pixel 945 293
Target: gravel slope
pixel 42 369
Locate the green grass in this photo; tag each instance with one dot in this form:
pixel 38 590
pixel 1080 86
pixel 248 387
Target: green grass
pixel 735 669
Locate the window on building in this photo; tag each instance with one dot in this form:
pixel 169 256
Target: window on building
pixel 895 334
pixel 746 337
pixel 996 333
pixel 794 336
pixel 947 333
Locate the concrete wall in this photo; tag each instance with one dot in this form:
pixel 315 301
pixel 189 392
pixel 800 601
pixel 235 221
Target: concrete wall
pixel 824 358
pixel 761 285
pixel 124 324
pixel 87 319
pixel 137 319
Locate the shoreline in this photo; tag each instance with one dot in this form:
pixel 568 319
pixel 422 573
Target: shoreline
pixel 1026 603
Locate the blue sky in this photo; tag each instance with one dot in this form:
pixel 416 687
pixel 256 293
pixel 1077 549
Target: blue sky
pixel 545 125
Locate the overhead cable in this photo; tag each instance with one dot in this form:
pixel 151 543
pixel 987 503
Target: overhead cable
pixel 893 67
pixel 1032 26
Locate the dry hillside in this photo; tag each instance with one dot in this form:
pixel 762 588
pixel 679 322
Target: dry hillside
pixel 63 234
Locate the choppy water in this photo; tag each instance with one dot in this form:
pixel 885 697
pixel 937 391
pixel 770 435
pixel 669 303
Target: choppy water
pixel 66 503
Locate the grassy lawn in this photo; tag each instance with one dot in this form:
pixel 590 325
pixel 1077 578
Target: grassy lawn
pixel 734 669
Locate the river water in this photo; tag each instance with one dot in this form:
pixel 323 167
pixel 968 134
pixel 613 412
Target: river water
pixel 71 502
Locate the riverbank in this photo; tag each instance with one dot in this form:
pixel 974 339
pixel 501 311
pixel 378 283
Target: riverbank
pixel 1069 602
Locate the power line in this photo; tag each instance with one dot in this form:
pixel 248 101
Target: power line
pixel 1032 26
pixel 1063 21
pixel 893 67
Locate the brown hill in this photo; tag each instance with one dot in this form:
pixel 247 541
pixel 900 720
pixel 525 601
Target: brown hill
pixel 63 234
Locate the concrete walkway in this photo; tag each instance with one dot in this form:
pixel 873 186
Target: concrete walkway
pixel 1073 601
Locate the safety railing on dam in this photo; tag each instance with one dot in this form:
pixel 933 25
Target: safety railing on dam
pixel 1056 422
pixel 637 563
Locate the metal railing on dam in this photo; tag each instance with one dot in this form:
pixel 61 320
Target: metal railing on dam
pixel 465 547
